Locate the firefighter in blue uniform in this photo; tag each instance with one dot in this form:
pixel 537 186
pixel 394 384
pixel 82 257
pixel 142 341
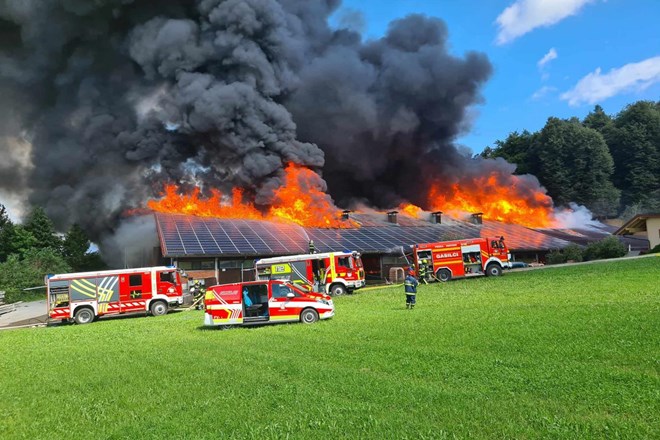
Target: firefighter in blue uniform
pixel 410 285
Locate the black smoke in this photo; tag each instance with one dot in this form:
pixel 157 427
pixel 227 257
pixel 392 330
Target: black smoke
pixel 118 97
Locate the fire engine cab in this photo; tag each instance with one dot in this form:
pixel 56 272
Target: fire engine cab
pixel 264 302
pixel 335 272
pixel 84 296
pixel 462 258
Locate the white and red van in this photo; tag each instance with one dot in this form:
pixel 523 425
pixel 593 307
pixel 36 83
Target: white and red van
pixel 264 302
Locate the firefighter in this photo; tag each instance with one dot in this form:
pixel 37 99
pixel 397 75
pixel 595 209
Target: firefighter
pixel 422 271
pixel 312 248
pixel 410 287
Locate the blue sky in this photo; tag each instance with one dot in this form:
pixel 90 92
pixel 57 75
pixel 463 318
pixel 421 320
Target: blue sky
pixel 545 53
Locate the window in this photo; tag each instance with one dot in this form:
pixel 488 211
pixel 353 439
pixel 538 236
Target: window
pixel 344 262
pixel 197 264
pixel 236 264
pixel 135 280
pixel 281 291
pixel 167 277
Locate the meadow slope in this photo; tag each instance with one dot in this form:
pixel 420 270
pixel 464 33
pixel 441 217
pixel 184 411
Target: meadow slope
pixel 568 352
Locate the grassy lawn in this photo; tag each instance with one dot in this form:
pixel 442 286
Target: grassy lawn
pixel 559 353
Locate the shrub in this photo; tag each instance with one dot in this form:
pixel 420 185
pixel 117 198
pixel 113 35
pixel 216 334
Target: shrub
pixel 609 247
pixel 655 250
pixel 573 252
pixel 555 257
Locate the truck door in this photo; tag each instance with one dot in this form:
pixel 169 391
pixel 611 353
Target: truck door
pixel 134 288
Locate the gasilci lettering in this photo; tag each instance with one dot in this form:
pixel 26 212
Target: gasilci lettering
pixel 447 255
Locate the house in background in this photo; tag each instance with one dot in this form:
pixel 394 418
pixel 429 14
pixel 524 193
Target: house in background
pixel 644 227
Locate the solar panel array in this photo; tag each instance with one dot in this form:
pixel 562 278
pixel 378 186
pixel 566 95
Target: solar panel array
pixel 184 235
pixel 520 238
pixel 198 236
pixel 378 239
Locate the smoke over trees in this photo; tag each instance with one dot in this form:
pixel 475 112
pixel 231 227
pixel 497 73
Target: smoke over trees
pixel 594 161
pixel 114 98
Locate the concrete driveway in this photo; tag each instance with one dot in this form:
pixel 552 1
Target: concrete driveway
pixel 27 313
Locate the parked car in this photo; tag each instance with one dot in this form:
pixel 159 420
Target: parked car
pixel 518 264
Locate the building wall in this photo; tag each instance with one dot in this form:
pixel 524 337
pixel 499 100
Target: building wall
pixel 653 231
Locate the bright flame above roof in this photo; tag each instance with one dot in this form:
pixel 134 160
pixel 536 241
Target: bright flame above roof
pixel 511 201
pixel 300 200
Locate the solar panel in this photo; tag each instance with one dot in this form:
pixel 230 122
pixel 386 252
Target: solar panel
pixel 184 235
pixel 382 239
pixel 519 238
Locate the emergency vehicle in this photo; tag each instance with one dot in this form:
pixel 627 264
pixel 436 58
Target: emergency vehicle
pixel 335 272
pixel 84 296
pixel 264 302
pixel 462 258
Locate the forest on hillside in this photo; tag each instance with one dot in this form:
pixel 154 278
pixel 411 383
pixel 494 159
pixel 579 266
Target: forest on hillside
pixel 610 164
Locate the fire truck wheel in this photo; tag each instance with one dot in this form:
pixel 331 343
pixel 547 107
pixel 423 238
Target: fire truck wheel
pixel 158 308
pixel 84 315
pixel 309 316
pixel 443 275
pixel 494 270
pixel 337 290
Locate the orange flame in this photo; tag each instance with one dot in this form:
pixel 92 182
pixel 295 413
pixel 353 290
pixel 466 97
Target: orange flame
pixel 300 200
pixel 410 209
pixel 511 201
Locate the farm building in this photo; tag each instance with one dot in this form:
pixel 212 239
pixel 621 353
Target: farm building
pixel 224 250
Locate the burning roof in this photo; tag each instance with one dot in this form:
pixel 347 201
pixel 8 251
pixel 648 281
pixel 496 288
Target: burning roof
pixel 186 235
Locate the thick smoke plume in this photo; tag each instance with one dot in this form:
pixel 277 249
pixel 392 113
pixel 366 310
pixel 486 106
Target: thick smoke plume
pixel 118 97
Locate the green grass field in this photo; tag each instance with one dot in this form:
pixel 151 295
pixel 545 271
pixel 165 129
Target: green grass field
pixel 559 353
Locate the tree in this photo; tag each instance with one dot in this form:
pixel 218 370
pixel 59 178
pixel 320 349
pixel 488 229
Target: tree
pixel 574 164
pixel 4 216
pixel 514 149
pixel 597 120
pixel 6 234
pixel 18 273
pixel 75 246
pixel 43 230
pixel 22 241
pixel 634 142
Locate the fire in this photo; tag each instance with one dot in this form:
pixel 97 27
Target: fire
pixel 511 202
pixel 410 209
pixel 300 200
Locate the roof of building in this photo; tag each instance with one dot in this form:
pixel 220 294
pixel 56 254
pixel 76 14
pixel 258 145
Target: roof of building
pixel 635 224
pixel 186 235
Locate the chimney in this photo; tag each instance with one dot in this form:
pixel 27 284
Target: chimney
pixel 436 217
pixel 477 218
pixel 391 217
pixel 344 214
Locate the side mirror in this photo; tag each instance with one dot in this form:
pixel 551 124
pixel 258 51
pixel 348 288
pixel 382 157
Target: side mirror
pixel 290 295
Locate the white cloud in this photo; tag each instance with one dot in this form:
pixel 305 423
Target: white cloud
pixel 525 15
pixel 551 55
pixel 596 87
pixel 543 91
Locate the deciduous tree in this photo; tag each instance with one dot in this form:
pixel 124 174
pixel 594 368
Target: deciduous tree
pixel 634 142
pixel 575 165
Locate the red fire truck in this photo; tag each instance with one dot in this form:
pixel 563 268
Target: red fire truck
pixel 462 258
pixel 334 272
pixel 264 302
pixel 84 296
